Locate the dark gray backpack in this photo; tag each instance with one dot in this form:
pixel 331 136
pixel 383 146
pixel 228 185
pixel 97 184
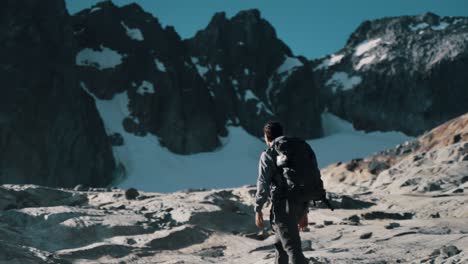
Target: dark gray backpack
pixel 298 166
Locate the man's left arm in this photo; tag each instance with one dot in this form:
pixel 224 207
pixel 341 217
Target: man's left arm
pixel 263 181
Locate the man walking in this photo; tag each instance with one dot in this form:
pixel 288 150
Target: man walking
pixel 287 214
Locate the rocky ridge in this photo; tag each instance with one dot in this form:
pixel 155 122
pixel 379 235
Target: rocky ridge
pixel 399 73
pixel 234 72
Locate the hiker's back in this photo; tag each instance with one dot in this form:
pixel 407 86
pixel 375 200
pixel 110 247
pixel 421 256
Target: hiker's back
pixel 298 167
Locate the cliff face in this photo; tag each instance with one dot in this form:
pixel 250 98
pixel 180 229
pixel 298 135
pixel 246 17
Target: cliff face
pixel 402 73
pixel 50 131
pixel 253 76
pixel 125 50
pixel 234 72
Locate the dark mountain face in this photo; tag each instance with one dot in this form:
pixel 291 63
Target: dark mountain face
pixel 50 131
pixel 125 50
pixel 404 73
pixel 253 76
pixel 236 71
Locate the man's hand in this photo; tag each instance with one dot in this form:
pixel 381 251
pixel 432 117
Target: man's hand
pixel 259 219
pixel 303 222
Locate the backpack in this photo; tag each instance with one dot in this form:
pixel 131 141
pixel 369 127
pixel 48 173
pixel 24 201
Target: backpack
pixel 299 171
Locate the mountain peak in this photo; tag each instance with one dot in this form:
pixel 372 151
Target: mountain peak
pixel 249 14
pixel 430 18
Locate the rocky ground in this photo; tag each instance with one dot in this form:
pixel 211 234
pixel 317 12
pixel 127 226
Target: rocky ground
pixel 404 205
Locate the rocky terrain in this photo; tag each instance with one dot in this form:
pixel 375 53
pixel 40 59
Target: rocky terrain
pixel 399 73
pixel 403 205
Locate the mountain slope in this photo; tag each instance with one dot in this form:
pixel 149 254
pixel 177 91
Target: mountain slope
pixel 436 162
pixel 125 52
pixel 254 76
pixel 400 73
pixel 234 72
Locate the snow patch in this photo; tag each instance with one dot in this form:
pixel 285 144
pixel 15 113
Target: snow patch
pixel 113 112
pixel 151 167
pixel 246 71
pixel 105 58
pixel 268 90
pixel 194 60
pixel 289 64
pixel 341 142
pixel 341 80
pixel 159 65
pixel 94 9
pixel 419 26
pixel 146 87
pixel 133 33
pixel 240 43
pixel 365 61
pixel 249 95
pixel 157 169
pixel 441 26
pixel 202 70
pixel 334 59
pixel 367 46
pixel 218 68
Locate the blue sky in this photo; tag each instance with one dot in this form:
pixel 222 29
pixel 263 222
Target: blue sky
pixel 311 28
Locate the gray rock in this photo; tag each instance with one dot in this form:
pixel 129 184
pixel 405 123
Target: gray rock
pixel 449 251
pixel 131 194
pixel 346 202
pixel 13 197
pixel 383 215
pixel 306 245
pixel 116 139
pixel 352 220
pixel 353 164
pixel 376 166
pixel 392 225
pixel 366 235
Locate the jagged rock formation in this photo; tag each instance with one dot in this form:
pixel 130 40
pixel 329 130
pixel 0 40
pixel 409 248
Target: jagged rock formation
pixel 384 223
pixel 236 71
pixel 50 131
pixel 400 73
pixel 126 51
pixel 253 76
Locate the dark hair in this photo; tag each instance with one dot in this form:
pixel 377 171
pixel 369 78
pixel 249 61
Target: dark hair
pixel 272 130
